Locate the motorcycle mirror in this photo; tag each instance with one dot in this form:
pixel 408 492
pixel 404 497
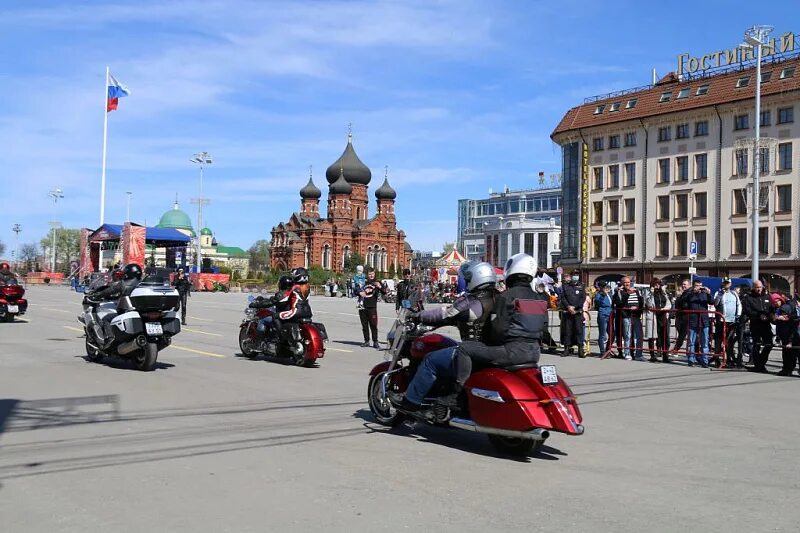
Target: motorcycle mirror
pixel 251 298
pixel 406 304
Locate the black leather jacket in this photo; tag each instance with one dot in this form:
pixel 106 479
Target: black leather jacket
pixel 116 290
pixel 511 320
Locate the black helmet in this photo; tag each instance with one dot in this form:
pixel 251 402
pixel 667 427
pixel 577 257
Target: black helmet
pixel 285 283
pixel 299 275
pixel 132 271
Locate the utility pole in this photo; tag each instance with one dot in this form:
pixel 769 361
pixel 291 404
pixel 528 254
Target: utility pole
pixel 55 194
pixel 16 228
pixel 128 212
pixel 202 159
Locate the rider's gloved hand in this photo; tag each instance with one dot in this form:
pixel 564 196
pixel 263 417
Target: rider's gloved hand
pixel 413 317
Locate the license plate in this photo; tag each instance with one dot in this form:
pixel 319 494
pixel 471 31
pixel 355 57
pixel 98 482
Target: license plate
pixel 12 308
pixel 153 328
pixel 549 374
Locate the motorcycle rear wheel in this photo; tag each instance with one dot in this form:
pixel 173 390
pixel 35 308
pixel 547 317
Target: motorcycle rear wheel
pixel 145 359
pixel 245 344
pixel 92 354
pixel 381 408
pixel 516 446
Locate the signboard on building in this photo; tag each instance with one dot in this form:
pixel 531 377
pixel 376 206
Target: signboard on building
pixel 585 202
pixel 688 64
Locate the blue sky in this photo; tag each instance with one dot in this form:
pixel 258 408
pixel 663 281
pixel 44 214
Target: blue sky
pixel 456 97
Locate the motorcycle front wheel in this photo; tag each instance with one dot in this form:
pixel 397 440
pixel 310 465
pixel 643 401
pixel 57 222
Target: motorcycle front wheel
pixel 145 359
pixel 380 407
pixel 246 343
pixel 516 446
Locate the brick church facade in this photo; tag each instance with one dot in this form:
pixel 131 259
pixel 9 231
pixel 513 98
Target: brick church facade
pixel 307 239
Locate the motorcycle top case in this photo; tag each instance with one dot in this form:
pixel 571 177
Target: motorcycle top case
pixel 154 298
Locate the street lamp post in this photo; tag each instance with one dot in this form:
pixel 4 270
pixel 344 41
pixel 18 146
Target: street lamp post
pixel 756 38
pixel 202 159
pixel 128 212
pixel 55 194
pixel 16 228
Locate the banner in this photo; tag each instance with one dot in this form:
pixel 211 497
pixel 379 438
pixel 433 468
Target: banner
pixel 132 244
pixel 86 266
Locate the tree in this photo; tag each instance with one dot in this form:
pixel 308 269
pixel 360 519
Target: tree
pixel 352 261
pixel 448 247
pixel 259 255
pixel 28 254
pixel 67 246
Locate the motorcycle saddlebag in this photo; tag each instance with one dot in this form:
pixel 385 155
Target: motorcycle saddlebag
pixel 322 331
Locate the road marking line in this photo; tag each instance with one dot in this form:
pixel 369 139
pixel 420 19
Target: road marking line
pixel 201 352
pixel 56 310
pixel 340 350
pixel 203 319
pixel 79 330
pixel 184 328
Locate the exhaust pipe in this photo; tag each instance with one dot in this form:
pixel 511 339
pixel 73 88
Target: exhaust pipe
pixel 470 425
pixel 127 347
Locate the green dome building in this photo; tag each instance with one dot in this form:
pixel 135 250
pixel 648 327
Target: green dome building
pixel 177 219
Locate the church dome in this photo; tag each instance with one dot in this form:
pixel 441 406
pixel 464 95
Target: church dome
pixel 340 186
pixel 385 191
pixel 310 191
pixel 355 172
pixel 206 231
pixel 175 218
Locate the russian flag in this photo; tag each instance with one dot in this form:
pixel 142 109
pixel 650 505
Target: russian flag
pixel 116 90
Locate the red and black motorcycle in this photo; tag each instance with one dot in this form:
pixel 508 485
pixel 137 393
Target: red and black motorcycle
pixel 516 406
pixel 12 301
pixel 302 342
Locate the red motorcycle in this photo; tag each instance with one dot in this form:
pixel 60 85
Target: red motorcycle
pixel 12 302
pixel 516 406
pixel 301 342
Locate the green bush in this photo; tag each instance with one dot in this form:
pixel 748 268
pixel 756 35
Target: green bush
pixel 318 275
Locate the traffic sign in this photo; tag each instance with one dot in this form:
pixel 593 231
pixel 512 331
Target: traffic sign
pixel 693 248
pixel 692 270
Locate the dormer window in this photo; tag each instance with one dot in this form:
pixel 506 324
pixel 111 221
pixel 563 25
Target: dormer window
pixel 744 81
pixel 631 103
pixel 766 76
pixel 614 107
pixel 788 72
pixel 665 96
pixel 599 109
pixel 684 93
pixel 703 89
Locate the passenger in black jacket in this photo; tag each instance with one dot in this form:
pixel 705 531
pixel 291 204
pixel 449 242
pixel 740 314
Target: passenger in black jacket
pixel 758 309
pixel 573 299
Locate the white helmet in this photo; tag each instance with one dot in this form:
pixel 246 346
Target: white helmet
pixel 479 276
pixel 521 265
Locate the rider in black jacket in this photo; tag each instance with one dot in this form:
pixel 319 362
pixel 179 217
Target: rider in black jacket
pixel 131 276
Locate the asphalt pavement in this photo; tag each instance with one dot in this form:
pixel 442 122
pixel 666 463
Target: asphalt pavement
pixel 212 441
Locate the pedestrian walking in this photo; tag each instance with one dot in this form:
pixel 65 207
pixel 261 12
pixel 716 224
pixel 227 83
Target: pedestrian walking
pixel 184 287
pixel 603 305
pixel 657 321
pixel 726 327
pixel 758 309
pixel 368 310
pixel 681 318
pixel 628 304
pixel 573 300
pixel 698 323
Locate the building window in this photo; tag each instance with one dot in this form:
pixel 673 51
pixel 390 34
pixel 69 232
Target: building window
pixel 701 166
pixel 788 72
pixel 614 107
pixel 701 128
pixel 613 142
pixel 683 93
pixel 682 168
pixel 785 156
pixel 681 244
pixel 326 257
pixel 597 144
pixel 630 138
pixel 627 244
pixel 613 247
pixel 700 205
pixel 741 122
pixel 741 161
pixel 681 206
pixel 613 211
pixel 740 201
pixel 739 241
pixel 783 240
pixel 630 210
pixel 665 96
pixel 613 177
pixel 682 131
pixel 763 160
pixel 630 174
pixel 763 241
pixel 665 133
pixel 599 109
pixel 703 89
pixel 662 212
pixel 700 239
pixel 598 212
pixel 631 103
pixel 662 244
pixel 598 178
pixel 783 200
pixel 663 171
pixel 766 76
pixel 766 118
pixel 785 115
pixel 744 81
pixel 597 247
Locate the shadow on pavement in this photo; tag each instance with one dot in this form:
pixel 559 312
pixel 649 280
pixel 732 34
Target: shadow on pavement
pixel 23 415
pixel 123 364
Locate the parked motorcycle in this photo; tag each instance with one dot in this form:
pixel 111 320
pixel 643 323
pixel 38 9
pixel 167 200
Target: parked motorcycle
pixel 300 342
pixel 135 327
pixel 516 406
pixel 12 302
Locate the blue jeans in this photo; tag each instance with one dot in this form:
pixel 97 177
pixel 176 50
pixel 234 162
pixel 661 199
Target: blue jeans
pixel 602 337
pixel 632 336
pixel 693 332
pixel 264 323
pixel 438 364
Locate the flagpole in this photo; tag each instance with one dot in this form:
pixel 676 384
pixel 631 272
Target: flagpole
pixel 105 142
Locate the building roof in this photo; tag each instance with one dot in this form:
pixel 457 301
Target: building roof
pixel 647 101
pixel 109 232
pixel 452 258
pixel 231 251
pixel 206 231
pixel 341 185
pixel 385 191
pixel 310 191
pixel 355 172
pixel 175 218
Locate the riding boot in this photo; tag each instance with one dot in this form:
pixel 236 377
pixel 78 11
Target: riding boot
pixel 581 351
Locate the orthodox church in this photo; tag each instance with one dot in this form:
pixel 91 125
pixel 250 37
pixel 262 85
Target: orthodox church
pixel 308 239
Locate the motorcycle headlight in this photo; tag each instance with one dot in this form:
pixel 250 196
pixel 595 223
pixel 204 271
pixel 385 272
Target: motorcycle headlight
pixel 249 313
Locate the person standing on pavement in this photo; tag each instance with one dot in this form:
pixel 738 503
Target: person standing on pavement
pixel 658 304
pixel 786 331
pixel 628 304
pixel 184 288
pixel 603 305
pixel 726 328
pixel 368 313
pixel 573 299
pixel 758 310
pixel 698 322
pixel 681 318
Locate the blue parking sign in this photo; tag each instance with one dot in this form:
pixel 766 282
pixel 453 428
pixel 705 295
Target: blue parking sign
pixel 693 248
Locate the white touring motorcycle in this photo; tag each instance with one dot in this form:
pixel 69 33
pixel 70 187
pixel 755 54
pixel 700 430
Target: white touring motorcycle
pixel 136 326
